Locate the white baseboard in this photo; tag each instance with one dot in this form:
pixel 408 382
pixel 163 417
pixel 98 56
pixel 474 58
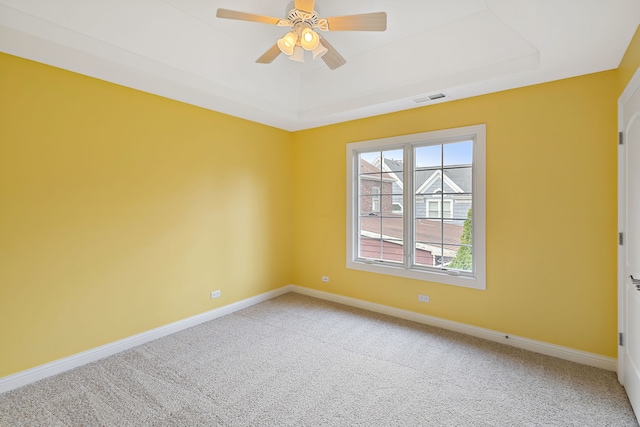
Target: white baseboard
pixel 29 376
pixel 565 353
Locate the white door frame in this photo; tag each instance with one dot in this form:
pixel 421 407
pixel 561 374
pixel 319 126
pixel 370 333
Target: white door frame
pixel 633 85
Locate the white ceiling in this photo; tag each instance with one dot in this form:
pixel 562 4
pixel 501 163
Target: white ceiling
pixel 180 50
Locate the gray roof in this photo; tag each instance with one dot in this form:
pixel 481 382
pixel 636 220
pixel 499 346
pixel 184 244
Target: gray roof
pixel 461 176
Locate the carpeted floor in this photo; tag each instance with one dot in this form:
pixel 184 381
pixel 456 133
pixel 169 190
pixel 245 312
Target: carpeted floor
pixel 300 361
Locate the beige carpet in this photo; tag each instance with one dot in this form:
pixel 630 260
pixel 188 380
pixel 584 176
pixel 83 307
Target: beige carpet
pixel 300 361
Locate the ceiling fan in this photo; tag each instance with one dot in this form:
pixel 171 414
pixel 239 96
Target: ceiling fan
pixel 303 19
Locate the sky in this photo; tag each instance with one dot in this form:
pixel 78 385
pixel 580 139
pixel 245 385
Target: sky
pixel 458 153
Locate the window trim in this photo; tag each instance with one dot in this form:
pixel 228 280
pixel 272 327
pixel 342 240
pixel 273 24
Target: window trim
pixel 476 280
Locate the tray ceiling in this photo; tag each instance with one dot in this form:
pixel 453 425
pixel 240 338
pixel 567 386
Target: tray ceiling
pixel 180 50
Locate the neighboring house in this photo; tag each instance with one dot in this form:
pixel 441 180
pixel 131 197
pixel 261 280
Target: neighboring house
pixel 456 184
pixel 430 202
pixel 373 189
pixel 440 194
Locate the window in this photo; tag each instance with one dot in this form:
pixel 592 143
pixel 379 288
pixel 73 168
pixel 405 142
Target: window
pixel 416 206
pixel 375 199
pixel 440 209
pixel 447 209
pixel 434 209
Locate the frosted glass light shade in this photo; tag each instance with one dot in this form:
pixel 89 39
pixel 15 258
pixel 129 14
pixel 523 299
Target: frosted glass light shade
pixel 309 39
pixel 319 51
pixel 298 54
pixel 287 43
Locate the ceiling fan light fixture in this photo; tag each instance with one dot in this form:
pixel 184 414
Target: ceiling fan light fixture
pixel 319 51
pixel 288 43
pixel 306 23
pixel 309 39
pixel 298 54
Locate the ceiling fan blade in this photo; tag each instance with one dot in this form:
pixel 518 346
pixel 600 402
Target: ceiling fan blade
pixel 376 21
pixel 270 55
pixel 304 5
pixel 332 58
pixel 242 16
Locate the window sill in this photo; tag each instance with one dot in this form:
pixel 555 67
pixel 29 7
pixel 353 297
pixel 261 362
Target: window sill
pixel 429 276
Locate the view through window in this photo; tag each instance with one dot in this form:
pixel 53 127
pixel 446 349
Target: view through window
pixel 412 205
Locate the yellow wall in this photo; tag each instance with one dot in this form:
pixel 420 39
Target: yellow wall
pixel 120 211
pixel 551 213
pixel 630 62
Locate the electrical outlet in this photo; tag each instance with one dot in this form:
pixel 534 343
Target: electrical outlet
pixel 423 298
pixel 325 279
pixel 215 294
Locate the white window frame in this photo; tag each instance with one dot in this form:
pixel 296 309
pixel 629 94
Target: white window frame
pixel 475 279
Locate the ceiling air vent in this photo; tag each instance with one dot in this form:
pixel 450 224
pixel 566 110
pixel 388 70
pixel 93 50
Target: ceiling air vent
pixel 428 98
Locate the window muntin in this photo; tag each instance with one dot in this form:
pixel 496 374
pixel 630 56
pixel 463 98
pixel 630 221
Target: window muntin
pixel 435 235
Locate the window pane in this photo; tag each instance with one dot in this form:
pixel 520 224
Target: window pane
pixel 447 208
pixel 368 182
pixel 392 206
pixel 461 210
pixel 466 233
pixel 463 259
pixel 428 182
pixel 370 241
pixel 428 253
pixel 423 203
pixel 459 180
pixel 428 231
pixel 393 159
pixel 370 162
pixel 392 228
pixel 392 250
pixel 423 255
pixel 433 208
pixel 396 179
pixel 375 199
pixel 370 248
pixel 392 232
pixel 370 226
pixel 429 156
pixel 459 153
pixel 443 258
pixel 452 234
pixel 369 205
pixel 428 206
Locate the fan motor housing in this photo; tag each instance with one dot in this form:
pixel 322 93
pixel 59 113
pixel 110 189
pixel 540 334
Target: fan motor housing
pixel 297 16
